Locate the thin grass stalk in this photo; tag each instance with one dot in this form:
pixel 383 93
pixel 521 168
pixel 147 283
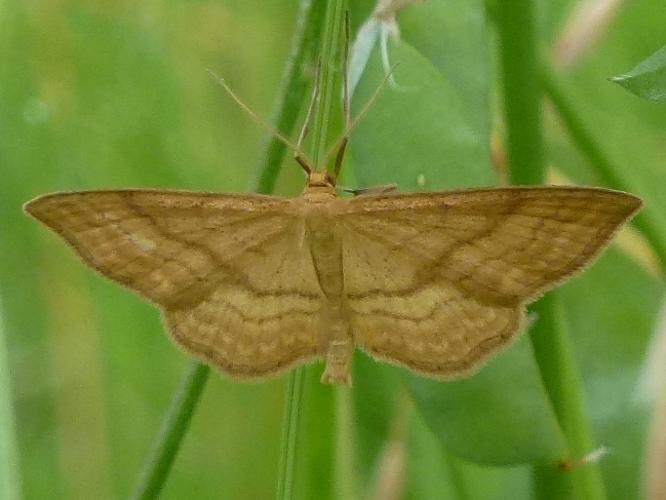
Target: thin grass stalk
pixel 167 443
pixel 10 485
pixel 290 432
pixel 516 26
pixel 329 56
pixel 345 484
pixel 322 114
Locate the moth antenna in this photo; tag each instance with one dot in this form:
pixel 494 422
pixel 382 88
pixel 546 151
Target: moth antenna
pixel 308 120
pixel 302 159
pixel 347 132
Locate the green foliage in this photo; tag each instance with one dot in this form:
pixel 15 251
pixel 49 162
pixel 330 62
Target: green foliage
pixel 9 473
pixel 94 96
pixel 648 78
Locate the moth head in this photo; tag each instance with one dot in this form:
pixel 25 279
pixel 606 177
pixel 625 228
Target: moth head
pixel 320 179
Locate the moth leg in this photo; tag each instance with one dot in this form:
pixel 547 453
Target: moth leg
pixel 370 190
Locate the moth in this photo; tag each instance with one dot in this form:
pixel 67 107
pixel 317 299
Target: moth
pixel 436 282
pixel 251 284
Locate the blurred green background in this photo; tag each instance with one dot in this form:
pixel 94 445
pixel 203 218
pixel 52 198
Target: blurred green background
pixel 115 94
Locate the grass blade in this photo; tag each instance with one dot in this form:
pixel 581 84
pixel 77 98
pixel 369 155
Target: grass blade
pixel 9 474
pixel 516 24
pixel 330 38
pixel 174 427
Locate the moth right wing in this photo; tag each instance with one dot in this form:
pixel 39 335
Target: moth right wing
pixel 236 285
pixel 438 281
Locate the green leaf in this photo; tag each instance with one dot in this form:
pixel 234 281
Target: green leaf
pixel 376 391
pixel 431 472
pixel 419 134
pixel 647 79
pixel 500 416
pixel 435 473
pixel 459 51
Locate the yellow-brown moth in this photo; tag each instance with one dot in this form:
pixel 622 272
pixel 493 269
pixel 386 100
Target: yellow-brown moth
pixel 252 285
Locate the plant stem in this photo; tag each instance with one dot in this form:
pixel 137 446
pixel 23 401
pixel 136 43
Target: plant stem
pixel 329 62
pixel 517 33
pixel 168 440
pixel 290 428
pixel 522 98
pixel 584 140
pixel 10 485
pixel 344 445
pixel 555 357
pixel 322 113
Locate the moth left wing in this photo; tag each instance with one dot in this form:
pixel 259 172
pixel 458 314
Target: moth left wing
pixel 438 281
pixel 236 287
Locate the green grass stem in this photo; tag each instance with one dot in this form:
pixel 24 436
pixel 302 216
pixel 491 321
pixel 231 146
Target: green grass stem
pixel 332 29
pixel 344 445
pixel 175 425
pixel 520 65
pixel 290 432
pixel 10 487
pixel 330 61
